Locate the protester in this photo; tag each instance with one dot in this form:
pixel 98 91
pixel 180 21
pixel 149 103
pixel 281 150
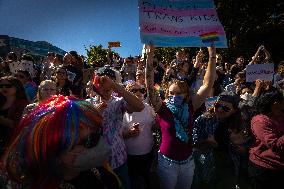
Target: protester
pixel 12 61
pixel 175 163
pixel 234 87
pixel 266 155
pixel 239 66
pixel 211 134
pixel 140 77
pixel 112 109
pixel 48 69
pixel 261 56
pixel 59 145
pixel 4 68
pixel 63 85
pixel 46 89
pixel 139 139
pixel 29 86
pixel 13 102
pixel 71 64
pixel 128 69
pixel 279 73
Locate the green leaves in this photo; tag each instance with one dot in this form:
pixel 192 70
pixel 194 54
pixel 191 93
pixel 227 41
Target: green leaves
pixel 97 55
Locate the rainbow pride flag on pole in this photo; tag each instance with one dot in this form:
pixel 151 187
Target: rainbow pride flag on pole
pixel 209 37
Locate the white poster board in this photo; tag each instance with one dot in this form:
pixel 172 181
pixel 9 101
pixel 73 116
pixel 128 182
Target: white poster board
pixel 259 71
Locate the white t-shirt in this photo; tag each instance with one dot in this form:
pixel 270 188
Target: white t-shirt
pixel 143 143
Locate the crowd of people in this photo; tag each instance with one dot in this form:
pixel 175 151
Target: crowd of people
pixel 145 123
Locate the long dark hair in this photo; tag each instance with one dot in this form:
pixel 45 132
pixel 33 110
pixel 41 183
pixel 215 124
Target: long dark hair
pixel 20 92
pixel 262 105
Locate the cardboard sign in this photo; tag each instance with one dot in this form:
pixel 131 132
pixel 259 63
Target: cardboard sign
pixel 114 44
pixel 29 66
pixel 23 65
pixel 15 66
pixel 186 23
pixel 259 71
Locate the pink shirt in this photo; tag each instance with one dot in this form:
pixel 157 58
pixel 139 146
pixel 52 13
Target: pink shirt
pixel 268 149
pixel 171 146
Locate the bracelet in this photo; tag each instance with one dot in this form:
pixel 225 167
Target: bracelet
pixel 212 56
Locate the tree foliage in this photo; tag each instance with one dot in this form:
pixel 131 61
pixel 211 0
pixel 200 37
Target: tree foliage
pixel 96 54
pixel 247 23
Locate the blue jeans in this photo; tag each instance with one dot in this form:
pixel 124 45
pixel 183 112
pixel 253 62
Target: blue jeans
pixel 122 173
pixel 175 175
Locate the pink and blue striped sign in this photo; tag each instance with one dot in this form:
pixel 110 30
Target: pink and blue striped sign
pixel 180 23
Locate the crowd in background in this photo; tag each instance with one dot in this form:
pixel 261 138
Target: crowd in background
pixel 148 118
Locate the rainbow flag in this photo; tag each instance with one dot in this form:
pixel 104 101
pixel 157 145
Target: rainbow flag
pixel 209 37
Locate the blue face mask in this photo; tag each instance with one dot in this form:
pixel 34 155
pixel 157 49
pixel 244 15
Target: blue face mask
pixel 176 100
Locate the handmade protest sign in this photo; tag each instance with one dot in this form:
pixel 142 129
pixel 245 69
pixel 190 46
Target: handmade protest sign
pixel 114 44
pixel 182 23
pixel 259 71
pixel 15 66
pixel 24 65
pixel 28 66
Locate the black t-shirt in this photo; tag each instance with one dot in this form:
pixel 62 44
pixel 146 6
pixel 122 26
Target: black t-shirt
pixel 222 137
pixel 73 69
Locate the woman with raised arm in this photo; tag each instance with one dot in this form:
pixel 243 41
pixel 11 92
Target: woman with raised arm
pixel 175 163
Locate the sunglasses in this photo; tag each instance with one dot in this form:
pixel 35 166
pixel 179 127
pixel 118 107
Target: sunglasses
pixel 224 107
pixel 141 90
pixel 92 139
pixel 7 86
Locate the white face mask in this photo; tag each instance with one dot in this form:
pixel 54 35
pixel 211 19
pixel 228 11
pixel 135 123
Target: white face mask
pixel 92 157
pixel 246 96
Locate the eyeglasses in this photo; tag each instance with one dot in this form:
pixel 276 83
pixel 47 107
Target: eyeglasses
pixel 224 107
pixel 7 86
pixel 92 139
pixel 141 90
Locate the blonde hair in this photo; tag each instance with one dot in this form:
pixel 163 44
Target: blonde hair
pixel 181 84
pixel 43 83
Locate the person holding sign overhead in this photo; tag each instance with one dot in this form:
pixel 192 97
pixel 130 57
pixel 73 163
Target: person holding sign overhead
pixel 261 56
pixel 175 116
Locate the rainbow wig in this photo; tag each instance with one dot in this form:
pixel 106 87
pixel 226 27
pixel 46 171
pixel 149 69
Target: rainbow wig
pixel 43 135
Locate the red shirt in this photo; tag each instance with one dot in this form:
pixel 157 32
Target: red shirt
pixel 268 149
pixel 171 146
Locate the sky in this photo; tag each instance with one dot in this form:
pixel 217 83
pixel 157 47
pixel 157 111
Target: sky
pixel 73 24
